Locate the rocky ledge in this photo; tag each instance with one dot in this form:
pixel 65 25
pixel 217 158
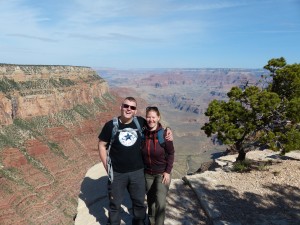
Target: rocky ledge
pixel 268 195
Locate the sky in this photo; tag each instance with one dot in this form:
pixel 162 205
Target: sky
pixel 149 33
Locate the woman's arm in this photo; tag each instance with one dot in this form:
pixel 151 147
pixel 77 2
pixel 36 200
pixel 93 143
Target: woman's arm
pixel 170 155
pixel 166 178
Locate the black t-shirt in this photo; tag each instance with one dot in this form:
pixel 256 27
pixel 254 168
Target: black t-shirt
pixel 125 151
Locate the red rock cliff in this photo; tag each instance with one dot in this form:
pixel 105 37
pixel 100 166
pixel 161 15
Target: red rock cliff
pixel 50 117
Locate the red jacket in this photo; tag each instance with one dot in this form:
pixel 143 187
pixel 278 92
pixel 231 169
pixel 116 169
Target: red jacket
pixel 157 159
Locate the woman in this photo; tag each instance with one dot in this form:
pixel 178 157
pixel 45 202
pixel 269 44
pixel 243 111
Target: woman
pixel 158 159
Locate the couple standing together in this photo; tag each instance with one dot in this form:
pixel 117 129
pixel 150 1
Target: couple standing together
pixel 141 164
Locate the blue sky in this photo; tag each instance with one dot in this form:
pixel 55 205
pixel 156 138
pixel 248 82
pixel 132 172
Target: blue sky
pixel 149 33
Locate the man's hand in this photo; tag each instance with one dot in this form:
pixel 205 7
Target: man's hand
pixel 169 134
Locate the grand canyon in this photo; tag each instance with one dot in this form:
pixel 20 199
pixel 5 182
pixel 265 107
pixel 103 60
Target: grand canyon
pixel 51 115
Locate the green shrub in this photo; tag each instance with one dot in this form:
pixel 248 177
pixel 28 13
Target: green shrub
pixel 292 140
pixel 83 110
pixel 56 149
pixel 242 166
pixel 7 85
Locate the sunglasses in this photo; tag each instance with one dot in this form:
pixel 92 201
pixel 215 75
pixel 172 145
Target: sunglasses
pixel 152 108
pixel 129 106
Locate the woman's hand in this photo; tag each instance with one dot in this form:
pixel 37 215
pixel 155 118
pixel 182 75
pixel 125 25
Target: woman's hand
pixel 166 178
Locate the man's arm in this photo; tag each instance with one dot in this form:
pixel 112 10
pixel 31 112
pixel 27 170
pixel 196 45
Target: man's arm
pixel 102 153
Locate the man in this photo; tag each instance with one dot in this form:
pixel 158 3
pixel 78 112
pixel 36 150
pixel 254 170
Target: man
pixel 128 167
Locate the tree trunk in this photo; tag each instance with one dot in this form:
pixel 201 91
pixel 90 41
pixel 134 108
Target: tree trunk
pixel 242 153
pixel 241 156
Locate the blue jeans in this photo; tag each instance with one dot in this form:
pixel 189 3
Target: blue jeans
pixel 134 182
pixel 156 198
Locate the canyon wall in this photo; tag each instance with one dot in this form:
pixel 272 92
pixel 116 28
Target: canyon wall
pixel 30 91
pixel 184 89
pixel 50 117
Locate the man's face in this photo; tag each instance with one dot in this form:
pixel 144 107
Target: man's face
pixel 128 109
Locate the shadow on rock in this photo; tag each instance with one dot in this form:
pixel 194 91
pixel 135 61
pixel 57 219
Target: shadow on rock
pixel 280 206
pixel 94 194
pixel 183 207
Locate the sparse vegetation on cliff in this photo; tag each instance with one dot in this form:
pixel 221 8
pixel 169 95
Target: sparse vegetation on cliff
pixel 14 175
pixel 7 85
pixel 46 139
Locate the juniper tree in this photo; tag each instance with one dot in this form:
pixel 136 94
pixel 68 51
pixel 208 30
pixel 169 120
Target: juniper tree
pixel 285 133
pixel 238 121
pixel 255 116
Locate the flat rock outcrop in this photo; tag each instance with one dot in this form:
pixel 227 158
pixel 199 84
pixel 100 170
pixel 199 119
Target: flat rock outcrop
pixel 183 206
pixel 270 195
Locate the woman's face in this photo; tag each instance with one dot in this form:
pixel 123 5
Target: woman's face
pixel 152 120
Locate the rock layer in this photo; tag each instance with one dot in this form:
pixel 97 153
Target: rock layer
pixel 50 117
pixel 31 91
